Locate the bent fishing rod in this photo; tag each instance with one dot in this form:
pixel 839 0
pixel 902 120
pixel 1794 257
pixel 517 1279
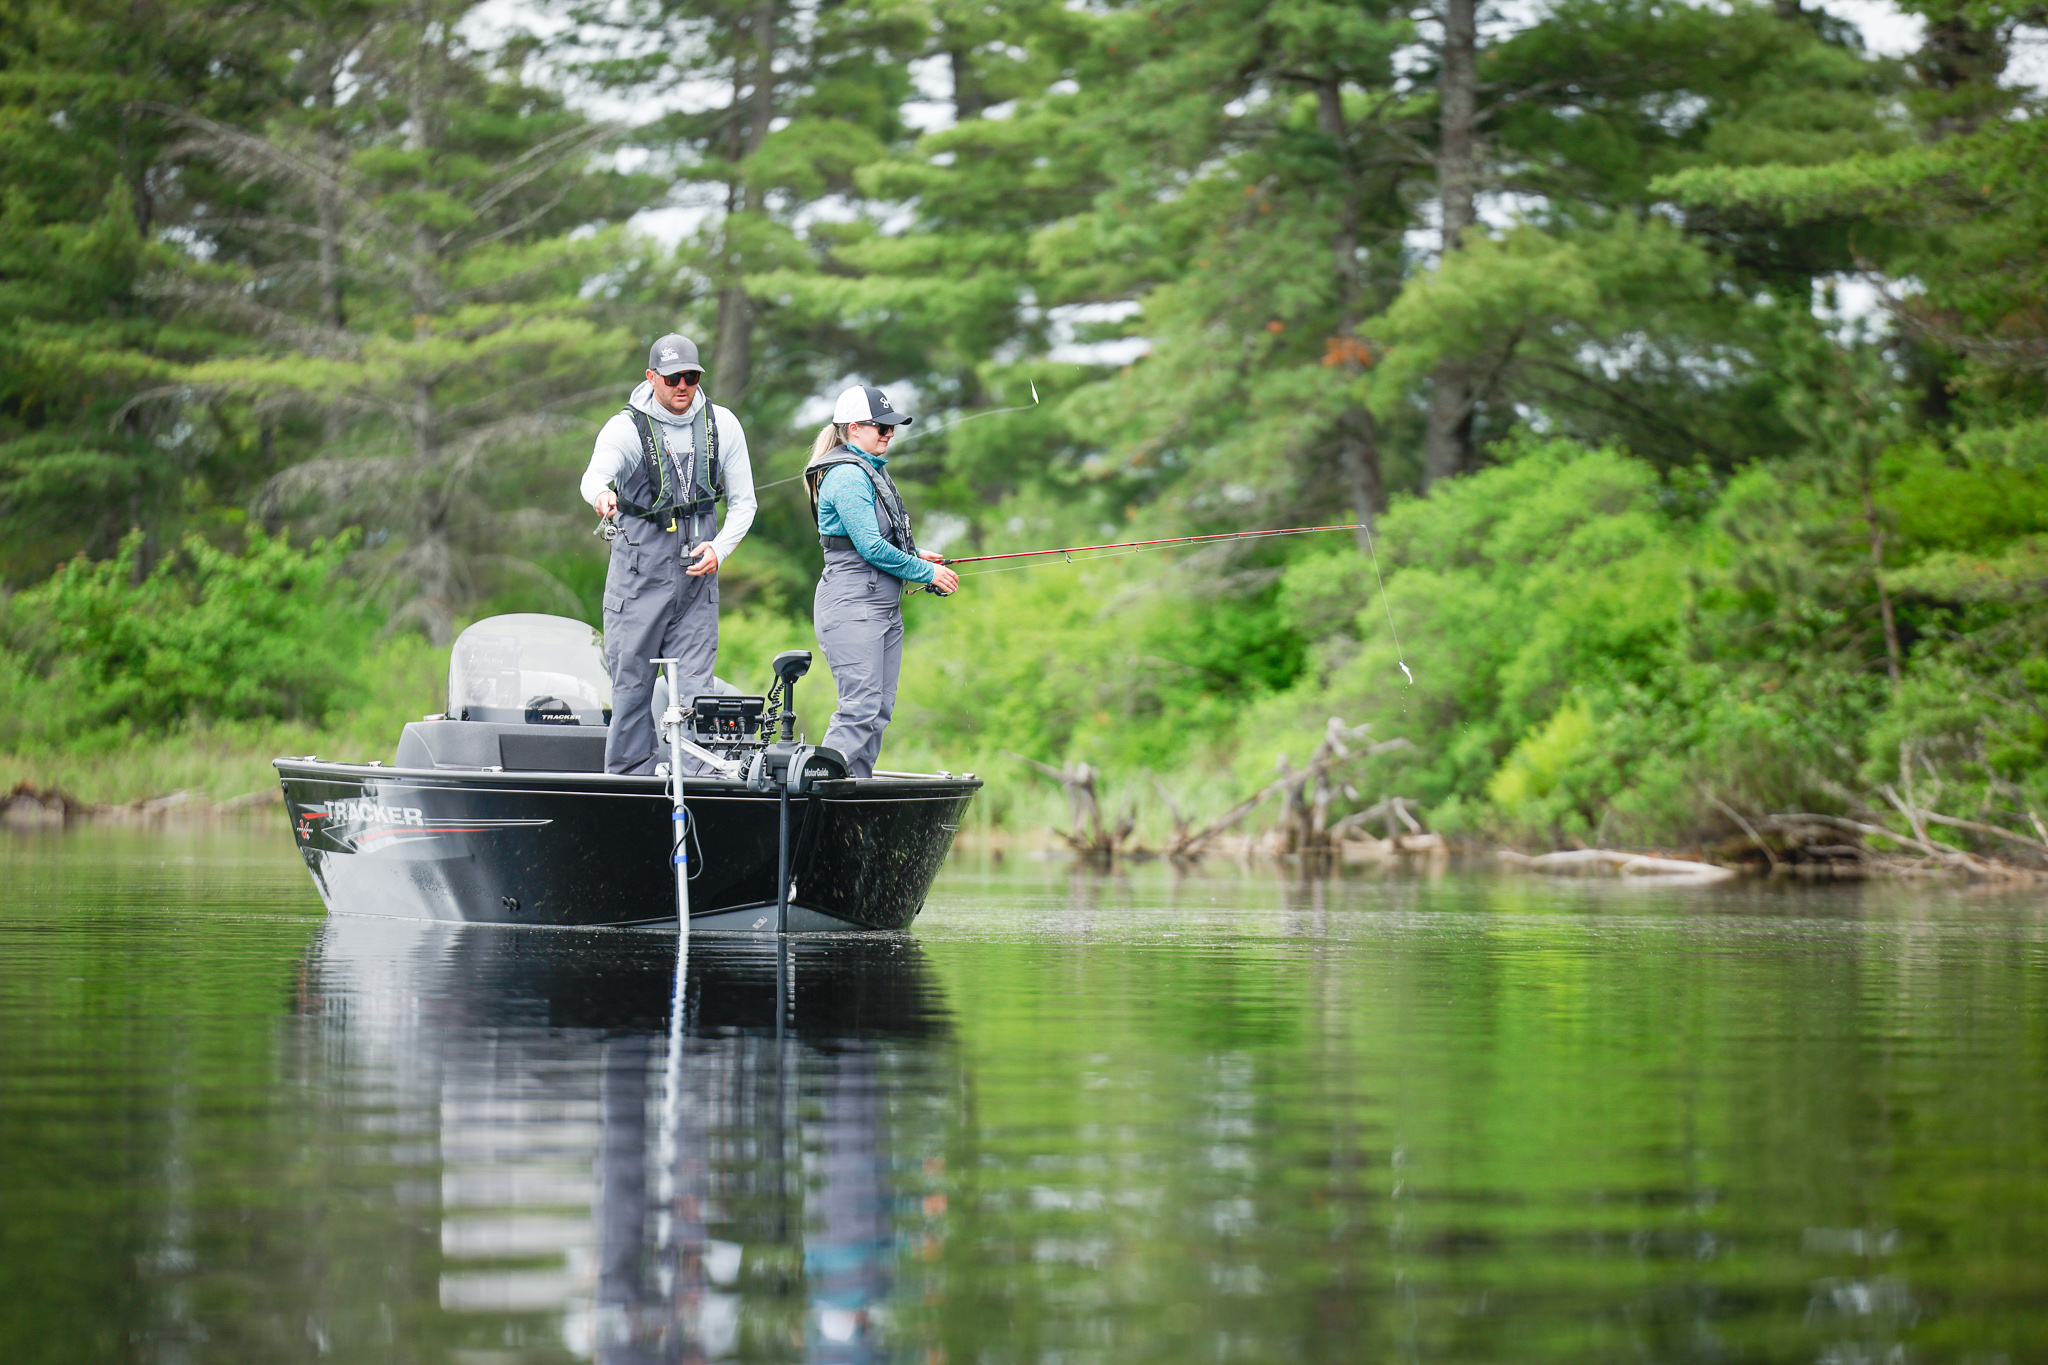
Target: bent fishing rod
pixel 1067 552
pixel 1152 544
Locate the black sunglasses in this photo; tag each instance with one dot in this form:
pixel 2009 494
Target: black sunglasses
pixel 881 429
pixel 686 377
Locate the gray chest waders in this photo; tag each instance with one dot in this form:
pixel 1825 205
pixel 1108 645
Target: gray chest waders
pixel 652 608
pixel 859 619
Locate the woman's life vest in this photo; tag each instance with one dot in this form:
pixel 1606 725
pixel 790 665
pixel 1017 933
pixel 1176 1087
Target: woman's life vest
pixel 890 517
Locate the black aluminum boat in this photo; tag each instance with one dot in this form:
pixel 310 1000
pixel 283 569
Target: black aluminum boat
pixel 499 810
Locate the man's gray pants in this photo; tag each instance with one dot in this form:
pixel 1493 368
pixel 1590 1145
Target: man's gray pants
pixel 858 613
pixel 653 610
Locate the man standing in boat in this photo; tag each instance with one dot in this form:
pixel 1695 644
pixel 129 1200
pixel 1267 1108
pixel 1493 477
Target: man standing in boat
pixel 656 475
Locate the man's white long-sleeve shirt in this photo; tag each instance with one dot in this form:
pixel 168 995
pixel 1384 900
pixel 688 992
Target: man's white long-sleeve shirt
pixel 618 449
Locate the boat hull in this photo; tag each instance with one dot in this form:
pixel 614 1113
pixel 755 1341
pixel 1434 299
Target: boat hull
pixel 593 849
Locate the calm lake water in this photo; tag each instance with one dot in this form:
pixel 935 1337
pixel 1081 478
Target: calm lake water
pixel 1234 1116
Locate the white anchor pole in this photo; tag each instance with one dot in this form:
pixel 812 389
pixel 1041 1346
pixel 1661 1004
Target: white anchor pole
pixel 679 816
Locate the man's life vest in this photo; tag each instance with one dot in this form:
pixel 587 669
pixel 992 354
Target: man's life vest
pixel 649 490
pixel 890 516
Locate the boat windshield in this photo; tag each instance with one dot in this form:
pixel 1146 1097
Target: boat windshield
pixel 542 670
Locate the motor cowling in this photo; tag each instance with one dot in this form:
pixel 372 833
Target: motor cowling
pixel 795 768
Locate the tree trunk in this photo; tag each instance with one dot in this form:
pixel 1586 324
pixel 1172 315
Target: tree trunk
pixel 1358 455
pixel 968 97
pixel 1884 597
pixel 327 204
pixel 732 356
pixel 1447 440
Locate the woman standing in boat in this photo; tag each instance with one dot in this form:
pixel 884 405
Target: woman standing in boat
pixel 869 556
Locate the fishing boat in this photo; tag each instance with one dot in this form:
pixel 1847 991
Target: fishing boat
pixel 498 809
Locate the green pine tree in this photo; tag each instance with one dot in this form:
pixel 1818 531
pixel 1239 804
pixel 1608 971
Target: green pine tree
pixel 423 292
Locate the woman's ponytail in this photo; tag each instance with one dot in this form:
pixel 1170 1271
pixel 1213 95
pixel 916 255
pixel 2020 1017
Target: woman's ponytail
pixel 830 437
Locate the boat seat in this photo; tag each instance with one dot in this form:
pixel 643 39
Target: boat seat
pixel 492 744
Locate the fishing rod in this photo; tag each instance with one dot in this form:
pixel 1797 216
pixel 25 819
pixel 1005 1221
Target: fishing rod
pixel 1135 546
pixel 927 431
pixel 1149 544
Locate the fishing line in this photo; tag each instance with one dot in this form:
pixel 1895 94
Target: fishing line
pixel 1071 550
pixel 976 417
pixel 1120 554
pixel 1121 551
pixel 1067 554
pixel 913 435
pixel 1399 657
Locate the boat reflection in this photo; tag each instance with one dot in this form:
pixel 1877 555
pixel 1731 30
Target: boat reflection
pixel 656 1178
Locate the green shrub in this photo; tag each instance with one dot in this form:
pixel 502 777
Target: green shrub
pixel 271 633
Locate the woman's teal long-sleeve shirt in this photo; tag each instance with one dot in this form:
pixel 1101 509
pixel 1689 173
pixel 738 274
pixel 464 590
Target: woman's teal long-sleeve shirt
pixel 846 507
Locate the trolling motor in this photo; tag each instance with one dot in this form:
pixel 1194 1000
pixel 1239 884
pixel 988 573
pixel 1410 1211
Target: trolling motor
pixel 736 738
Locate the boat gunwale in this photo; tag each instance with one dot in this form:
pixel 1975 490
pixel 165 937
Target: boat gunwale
pixel 923 785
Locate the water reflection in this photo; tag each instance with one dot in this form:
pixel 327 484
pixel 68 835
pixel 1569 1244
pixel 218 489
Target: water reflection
pixel 656 1178
pixel 1222 1115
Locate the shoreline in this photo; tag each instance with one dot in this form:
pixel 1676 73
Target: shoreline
pixel 29 809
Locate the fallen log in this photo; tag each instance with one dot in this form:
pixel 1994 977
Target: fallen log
pixel 1933 849
pixel 1626 864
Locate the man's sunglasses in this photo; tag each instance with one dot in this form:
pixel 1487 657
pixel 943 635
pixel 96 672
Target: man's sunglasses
pixel 686 377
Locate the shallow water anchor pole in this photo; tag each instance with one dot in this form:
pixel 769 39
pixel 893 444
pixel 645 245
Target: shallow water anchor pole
pixel 789 666
pixel 671 725
pixel 782 863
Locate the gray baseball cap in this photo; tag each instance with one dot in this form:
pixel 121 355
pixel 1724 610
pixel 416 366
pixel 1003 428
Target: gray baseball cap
pixel 672 354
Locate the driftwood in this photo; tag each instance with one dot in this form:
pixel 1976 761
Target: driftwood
pixel 1387 808
pixel 1088 837
pixel 1626 864
pixel 1931 850
pixel 1181 832
pixel 1770 855
pixel 1306 796
pixel 31 807
pixel 1976 827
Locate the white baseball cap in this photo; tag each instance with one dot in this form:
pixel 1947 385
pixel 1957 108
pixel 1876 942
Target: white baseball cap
pixel 863 404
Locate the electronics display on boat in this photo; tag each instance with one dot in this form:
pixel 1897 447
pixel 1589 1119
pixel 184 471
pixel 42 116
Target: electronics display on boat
pixel 727 719
pixel 753 739
pixel 529 669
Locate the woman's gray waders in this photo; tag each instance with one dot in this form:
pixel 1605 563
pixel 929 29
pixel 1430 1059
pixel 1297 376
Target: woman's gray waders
pixel 653 610
pixel 858 613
